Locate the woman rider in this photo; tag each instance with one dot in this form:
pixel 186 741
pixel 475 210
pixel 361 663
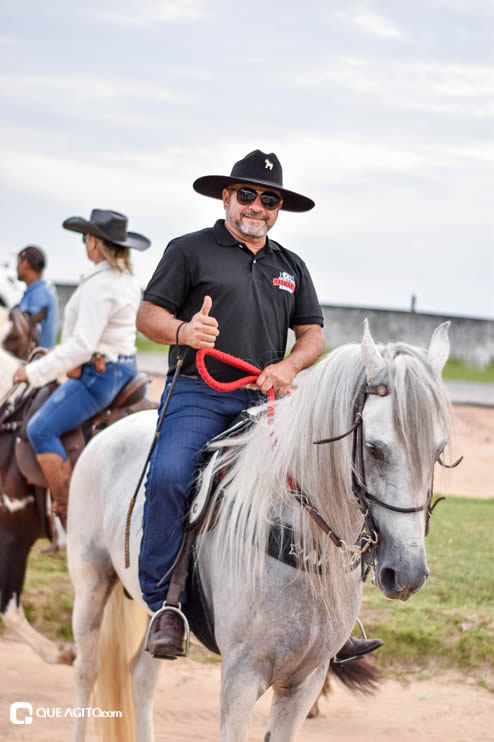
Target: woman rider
pixel 97 349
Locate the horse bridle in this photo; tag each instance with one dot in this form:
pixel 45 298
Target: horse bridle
pixel 369 535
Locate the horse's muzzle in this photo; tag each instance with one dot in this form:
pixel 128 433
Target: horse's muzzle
pixel 396 585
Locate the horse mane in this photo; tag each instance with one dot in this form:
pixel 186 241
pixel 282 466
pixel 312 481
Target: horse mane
pixel 255 490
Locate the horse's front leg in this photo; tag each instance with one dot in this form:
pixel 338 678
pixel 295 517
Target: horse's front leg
pixel 242 683
pixel 291 704
pixel 145 670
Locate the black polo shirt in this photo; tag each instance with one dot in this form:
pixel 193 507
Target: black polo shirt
pixel 256 298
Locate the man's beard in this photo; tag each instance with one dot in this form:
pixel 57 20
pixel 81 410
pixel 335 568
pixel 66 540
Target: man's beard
pixel 250 229
pixel 245 227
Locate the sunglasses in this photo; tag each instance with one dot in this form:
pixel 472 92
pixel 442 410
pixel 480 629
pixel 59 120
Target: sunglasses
pixel 245 196
pixel 84 238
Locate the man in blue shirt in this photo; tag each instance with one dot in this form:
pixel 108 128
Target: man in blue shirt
pixel 38 297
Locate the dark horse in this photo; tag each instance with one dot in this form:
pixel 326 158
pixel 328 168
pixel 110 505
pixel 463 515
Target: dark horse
pixel 25 506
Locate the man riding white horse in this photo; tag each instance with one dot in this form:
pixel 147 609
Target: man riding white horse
pixel 233 288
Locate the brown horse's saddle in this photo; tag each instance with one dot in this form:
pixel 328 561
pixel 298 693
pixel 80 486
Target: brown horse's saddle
pixel 23 335
pixel 132 398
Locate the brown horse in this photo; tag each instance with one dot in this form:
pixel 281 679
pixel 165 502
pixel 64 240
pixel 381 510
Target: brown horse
pixel 23 519
pixel 25 506
pixel 18 338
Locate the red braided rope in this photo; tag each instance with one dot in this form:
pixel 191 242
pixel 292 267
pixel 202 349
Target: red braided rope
pixel 228 386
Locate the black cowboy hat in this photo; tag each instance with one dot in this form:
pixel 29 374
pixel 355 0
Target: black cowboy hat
pixel 259 169
pixel 110 226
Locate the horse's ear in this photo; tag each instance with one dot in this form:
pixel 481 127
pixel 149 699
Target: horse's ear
pixel 373 360
pixel 439 348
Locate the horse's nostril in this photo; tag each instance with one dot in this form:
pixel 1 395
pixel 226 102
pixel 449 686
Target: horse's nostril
pixel 388 579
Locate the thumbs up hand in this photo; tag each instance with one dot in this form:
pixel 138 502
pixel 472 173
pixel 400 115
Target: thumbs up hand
pixel 206 306
pixel 202 330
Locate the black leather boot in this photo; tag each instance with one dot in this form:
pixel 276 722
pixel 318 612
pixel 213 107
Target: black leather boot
pixel 354 648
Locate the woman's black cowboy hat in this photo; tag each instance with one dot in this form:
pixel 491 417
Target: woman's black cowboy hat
pixel 257 168
pixel 110 226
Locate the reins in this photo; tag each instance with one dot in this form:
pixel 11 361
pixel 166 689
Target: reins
pixel 230 386
pixel 178 369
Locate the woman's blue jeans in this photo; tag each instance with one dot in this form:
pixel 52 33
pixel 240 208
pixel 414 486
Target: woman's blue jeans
pixel 196 414
pixel 75 401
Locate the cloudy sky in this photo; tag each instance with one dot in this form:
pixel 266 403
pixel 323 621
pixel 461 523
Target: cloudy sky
pixel 382 112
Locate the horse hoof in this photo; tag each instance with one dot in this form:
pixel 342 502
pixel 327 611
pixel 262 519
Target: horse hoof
pixel 313 712
pixel 51 549
pixel 66 654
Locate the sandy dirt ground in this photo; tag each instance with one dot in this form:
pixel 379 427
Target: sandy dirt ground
pixel 186 706
pixel 472 438
pixel 443 708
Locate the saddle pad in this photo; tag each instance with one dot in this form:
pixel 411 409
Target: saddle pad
pixel 200 501
pixel 199 616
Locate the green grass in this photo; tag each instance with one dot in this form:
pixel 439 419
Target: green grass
pixel 459 371
pixel 48 593
pixel 144 345
pixel 447 624
pixel 450 622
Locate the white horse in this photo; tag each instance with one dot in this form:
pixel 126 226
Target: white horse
pixel 276 625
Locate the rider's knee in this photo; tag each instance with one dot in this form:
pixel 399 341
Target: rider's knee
pixel 35 431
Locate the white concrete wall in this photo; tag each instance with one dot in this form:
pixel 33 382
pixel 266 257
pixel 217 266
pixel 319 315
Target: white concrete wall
pixel 472 339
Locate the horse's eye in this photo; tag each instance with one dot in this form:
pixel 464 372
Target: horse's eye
pixel 377 452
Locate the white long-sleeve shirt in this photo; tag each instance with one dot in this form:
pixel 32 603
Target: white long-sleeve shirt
pixel 99 318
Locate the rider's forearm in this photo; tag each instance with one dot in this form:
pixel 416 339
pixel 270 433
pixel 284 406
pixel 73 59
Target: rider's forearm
pixel 308 347
pixel 157 323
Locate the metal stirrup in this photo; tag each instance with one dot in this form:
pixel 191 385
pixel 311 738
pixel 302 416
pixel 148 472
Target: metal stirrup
pixel 185 651
pixel 355 657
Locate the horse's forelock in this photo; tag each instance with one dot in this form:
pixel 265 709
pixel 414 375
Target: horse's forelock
pixel 419 404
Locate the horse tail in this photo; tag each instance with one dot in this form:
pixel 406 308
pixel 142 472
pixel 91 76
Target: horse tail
pixel 116 650
pixel 358 676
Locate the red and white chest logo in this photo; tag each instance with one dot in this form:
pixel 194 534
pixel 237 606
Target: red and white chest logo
pixel 285 281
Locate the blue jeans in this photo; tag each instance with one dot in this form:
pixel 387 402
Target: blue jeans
pixel 196 414
pixel 75 401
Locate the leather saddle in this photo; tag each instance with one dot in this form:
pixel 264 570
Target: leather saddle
pixel 131 398
pixel 23 335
